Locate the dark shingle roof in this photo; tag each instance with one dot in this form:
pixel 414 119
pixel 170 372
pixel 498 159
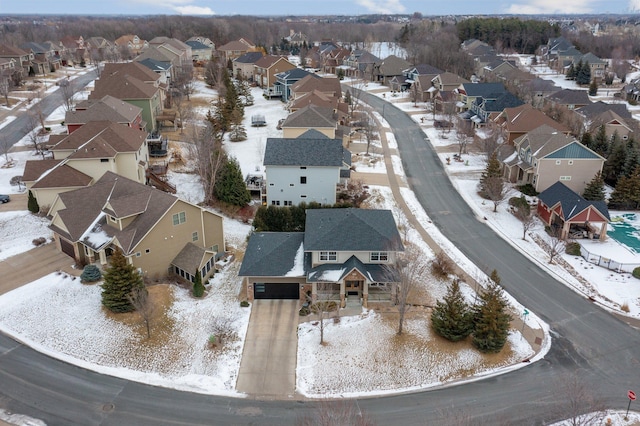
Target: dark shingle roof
pixel 486 90
pixel 570 97
pixel 190 258
pixel 373 272
pixel 271 254
pixel 249 58
pixel 592 110
pixel 303 152
pixel 351 230
pixel 572 204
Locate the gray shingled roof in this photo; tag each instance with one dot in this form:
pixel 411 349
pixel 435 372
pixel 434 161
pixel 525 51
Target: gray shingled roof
pixel 351 230
pixel 303 152
pixel 311 116
pixel 570 97
pixel 249 58
pixel 596 108
pixel 373 272
pixel 572 204
pixel 190 258
pixel 485 90
pixel 271 254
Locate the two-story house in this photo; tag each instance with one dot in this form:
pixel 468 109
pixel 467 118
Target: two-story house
pixel 321 119
pixel 235 49
pixel 520 120
pixel 360 64
pixel 23 59
pixel 158 233
pixel 545 156
pixel 106 109
pixel 484 111
pixel 265 70
pixel 82 157
pixel 615 118
pixel 568 98
pixel 243 66
pixel 309 168
pixel 284 82
pixel 469 92
pixel 131 42
pixel 342 254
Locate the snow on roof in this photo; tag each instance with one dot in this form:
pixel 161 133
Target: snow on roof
pixel 298 263
pixel 95 236
pixel 332 276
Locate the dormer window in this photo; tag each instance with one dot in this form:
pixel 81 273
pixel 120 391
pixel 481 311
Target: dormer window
pixel 379 256
pixel 329 256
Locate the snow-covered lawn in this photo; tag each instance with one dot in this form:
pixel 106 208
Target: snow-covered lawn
pixel 18 230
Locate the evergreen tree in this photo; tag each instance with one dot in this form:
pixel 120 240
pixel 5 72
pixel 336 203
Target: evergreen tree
pixel 491 320
pixel 614 165
pixel 32 203
pixel 230 187
pixel 601 142
pixel 494 277
pixel 452 317
pixel 571 73
pixel 198 287
pixel 632 160
pixel 587 140
pixel 493 170
pixel 593 88
pixel 90 274
pixel 583 73
pixel 594 191
pixel 120 278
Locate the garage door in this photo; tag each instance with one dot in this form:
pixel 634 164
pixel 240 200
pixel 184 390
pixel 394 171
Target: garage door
pixel 276 291
pixel 67 248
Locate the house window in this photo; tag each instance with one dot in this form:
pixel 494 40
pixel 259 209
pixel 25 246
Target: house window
pixel 570 162
pixel 292 184
pixel 271 184
pixel 194 236
pixel 275 202
pixel 147 251
pixel 379 256
pixel 303 167
pixel 558 162
pixel 303 180
pixel 104 160
pixel 288 203
pixel 214 248
pixel 179 218
pixel 138 254
pixel 565 177
pixel 329 256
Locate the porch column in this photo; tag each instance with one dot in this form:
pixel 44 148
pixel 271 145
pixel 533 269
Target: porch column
pixel 103 257
pixel 314 292
pixel 365 294
pixel 565 230
pixel 343 301
pixel 603 231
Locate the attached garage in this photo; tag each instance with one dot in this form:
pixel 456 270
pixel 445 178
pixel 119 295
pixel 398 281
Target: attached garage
pixel 276 291
pixel 67 248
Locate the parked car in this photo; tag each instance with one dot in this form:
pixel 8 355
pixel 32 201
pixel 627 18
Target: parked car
pixel 4 199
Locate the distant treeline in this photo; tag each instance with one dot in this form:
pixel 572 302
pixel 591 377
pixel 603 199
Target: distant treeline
pixel 511 34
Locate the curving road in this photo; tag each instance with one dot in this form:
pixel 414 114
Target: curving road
pixel 588 341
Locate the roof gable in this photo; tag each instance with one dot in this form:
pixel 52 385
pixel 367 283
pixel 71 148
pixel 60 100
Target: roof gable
pixel 304 151
pixel 572 204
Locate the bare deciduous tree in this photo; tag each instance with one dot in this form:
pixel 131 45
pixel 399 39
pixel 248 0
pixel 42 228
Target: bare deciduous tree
pixel 490 142
pixel 183 108
pixel 464 131
pixel 208 156
pixel 144 306
pixel 526 218
pixel 66 93
pixel 495 190
pixel 555 244
pixel 408 270
pixel 34 136
pixel 5 87
pixel 579 404
pixel 5 146
pixel 323 304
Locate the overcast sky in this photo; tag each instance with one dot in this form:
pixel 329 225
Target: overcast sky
pixel 311 7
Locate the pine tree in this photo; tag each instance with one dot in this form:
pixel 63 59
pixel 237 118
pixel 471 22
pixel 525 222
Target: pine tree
pixel 632 160
pixel 230 187
pixel 571 73
pixel 601 142
pixel 587 140
pixel 593 88
pixel 614 165
pixel 90 274
pixel 198 287
pixel 452 317
pixel 493 169
pixel 594 191
pixel 120 278
pixel 626 195
pixel 32 203
pixel 491 320
pixel 583 73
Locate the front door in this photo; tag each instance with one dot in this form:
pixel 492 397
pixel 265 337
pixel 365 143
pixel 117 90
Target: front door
pixel 352 288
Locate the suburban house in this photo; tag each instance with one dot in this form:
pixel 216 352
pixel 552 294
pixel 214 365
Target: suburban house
pixel 442 89
pixel 615 118
pixel 82 157
pixel 333 61
pixel 164 55
pixel 420 77
pixel 23 59
pixel 45 59
pixel 296 38
pixel 323 120
pixel 520 120
pixel 236 48
pixel 484 111
pixel 243 65
pixel 309 168
pixel 265 70
pixel 164 69
pixel 360 64
pixel 157 232
pixel 204 40
pixel 545 156
pixel 133 43
pixel 392 66
pixel 496 67
pixel 343 254
pixel 284 81
pixel 100 49
pixel 134 83
pixel 329 86
pixel 574 217
pixel 174 45
pixel 316 98
pixel 469 92
pixel 199 50
pixel 106 109
pixel 569 98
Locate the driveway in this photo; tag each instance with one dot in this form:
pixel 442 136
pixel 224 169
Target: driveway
pixel 31 265
pixel 268 366
pixel 18 202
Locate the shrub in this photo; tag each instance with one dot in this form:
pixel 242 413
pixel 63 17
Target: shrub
pixel 441 265
pixel 625 307
pixel 573 249
pixel 528 189
pixel 90 274
pixel 39 241
pixel 519 202
pixel 304 311
pixel 198 287
pixel 244 304
pixel 636 272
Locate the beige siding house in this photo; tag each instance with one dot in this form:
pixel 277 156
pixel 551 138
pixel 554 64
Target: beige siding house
pixel 157 232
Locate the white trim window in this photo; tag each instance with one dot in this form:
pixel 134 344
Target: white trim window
pixel 379 256
pixel 329 256
pixel 179 218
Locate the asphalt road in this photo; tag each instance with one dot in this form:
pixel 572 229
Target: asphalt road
pixel 587 342
pixel 19 127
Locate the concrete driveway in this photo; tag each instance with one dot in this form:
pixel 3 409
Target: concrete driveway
pixel 268 366
pixel 31 265
pixel 18 202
